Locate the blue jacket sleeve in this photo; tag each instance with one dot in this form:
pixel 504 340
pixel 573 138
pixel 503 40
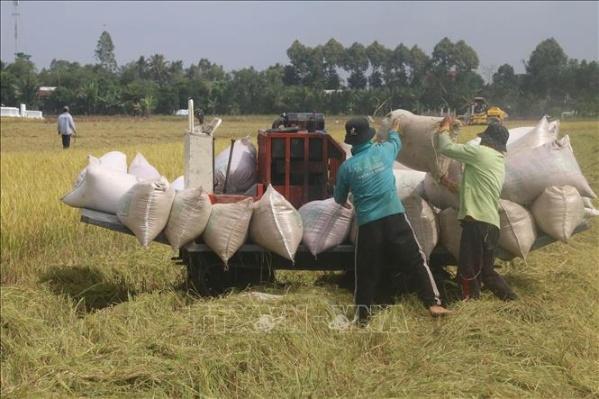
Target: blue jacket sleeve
pixel 342 186
pixel 392 145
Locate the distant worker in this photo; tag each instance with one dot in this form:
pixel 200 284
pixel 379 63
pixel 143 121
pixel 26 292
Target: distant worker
pixel 136 109
pixel 484 173
pixel 66 127
pixel 385 237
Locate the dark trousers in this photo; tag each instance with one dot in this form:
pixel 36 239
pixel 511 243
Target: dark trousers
pixel 386 249
pixel 66 140
pixel 477 258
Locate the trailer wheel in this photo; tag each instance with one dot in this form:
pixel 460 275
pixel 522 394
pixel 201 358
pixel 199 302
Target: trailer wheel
pixel 196 275
pixel 206 274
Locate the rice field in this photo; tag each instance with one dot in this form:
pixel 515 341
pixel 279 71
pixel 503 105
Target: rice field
pixel 86 312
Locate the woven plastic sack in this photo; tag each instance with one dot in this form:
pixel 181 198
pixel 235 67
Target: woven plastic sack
pixel 423 221
pixel 418 151
pixel 408 181
pixel 100 189
pixel 326 224
pixel 113 160
pixel 439 194
pixel 189 216
pixel 515 134
pixel 589 209
pixel 450 231
pixel 544 132
pixel 178 184
pixel 518 231
pixel 558 211
pixel 227 228
pixel 276 225
pixel 528 173
pixel 242 171
pixel 145 209
pixel 141 168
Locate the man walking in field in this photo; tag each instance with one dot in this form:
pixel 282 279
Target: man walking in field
pixel 484 173
pixel 385 237
pixel 66 127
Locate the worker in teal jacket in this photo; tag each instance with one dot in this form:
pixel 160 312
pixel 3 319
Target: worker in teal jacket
pixel 385 237
pixel 482 181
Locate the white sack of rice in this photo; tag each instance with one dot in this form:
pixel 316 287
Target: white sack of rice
pixel 417 137
pixel 145 209
pixel 100 189
pixel 326 224
pixel 518 231
pixel 189 216
pixel 142 169
pixel 276 225
pixel 227 228
pixel 528 173
pixel 558 211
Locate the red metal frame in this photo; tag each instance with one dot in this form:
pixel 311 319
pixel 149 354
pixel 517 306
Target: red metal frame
pixel 298 194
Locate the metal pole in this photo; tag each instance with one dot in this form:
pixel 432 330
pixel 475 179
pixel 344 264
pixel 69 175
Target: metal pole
pixel 228 166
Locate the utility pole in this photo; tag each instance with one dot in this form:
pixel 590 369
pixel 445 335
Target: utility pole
pixel 16 16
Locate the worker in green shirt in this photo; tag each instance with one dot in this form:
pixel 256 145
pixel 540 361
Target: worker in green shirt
pixel 482 181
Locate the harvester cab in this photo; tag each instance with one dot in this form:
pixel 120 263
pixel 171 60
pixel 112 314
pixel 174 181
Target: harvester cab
pixel 480 113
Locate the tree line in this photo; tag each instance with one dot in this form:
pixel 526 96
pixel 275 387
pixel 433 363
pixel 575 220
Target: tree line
pixel 328 78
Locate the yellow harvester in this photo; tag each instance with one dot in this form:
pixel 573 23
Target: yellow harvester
pixel 480 113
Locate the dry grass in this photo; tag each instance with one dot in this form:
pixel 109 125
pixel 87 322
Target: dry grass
pixel 86 312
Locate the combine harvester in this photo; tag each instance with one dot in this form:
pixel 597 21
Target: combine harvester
pixel 300 160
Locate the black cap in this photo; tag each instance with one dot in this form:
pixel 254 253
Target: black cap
pixel 358 131
pixel 496 135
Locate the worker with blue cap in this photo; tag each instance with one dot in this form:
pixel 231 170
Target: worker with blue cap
pixel 385 237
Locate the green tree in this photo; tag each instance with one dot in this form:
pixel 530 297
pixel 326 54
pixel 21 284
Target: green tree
pixel 298 57
pixel 105 52
pixel 333 53
pixel 452 80
pixel 378 56
pixel 25 82
pixel 504 90
pixel 545 69
pixel 356 62
pixel 8 91
pixel 158 69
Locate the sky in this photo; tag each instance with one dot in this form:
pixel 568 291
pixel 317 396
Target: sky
pixel 243 34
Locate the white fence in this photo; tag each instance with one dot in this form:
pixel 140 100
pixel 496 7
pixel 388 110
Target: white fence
pixel 9 111
pixel 33 114
pixel 20 113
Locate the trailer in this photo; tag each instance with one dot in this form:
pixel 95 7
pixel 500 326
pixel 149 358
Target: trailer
pixel 207 275
pixel 300 161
